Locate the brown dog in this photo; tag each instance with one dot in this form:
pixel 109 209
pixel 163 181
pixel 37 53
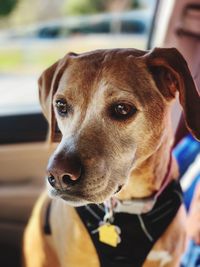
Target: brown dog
pixel 113 111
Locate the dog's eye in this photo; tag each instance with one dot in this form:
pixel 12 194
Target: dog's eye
pixel 62 107
pixel 122 111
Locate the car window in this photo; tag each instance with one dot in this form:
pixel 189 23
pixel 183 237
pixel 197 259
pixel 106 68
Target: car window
pixel 27 48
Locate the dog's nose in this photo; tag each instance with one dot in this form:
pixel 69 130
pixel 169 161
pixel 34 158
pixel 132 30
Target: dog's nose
pixel 64 170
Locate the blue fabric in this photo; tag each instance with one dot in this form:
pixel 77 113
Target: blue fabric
pixel 191 257
pixel 185 153
pixel 188 194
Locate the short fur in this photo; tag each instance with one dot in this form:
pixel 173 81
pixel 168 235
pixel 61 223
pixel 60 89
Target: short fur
pixel 133 152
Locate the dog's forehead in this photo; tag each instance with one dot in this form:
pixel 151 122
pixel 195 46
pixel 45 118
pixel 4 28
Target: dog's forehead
pixel 109 60
pixel 121 68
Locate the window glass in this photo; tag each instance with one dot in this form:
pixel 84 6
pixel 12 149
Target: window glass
pixel 34 34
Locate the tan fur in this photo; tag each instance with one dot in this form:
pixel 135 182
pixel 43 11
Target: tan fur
pixel 133 152
pixel 37 251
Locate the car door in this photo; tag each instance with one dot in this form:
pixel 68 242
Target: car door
pixel 23 158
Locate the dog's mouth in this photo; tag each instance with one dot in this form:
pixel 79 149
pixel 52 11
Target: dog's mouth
pixel 80 198
pixel 77 198
pixel 119 189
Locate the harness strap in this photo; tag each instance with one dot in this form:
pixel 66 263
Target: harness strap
pixel 138 232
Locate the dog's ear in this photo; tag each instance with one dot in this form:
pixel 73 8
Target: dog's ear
pixel 171 74
pixel 48 85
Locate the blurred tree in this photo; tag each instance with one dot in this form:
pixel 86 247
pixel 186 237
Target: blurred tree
pixel 43 10
pixel 119 5
pixel 135 4
pixel 7 6
pixel 77 7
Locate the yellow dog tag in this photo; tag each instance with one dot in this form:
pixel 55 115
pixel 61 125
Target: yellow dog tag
pixel 109 234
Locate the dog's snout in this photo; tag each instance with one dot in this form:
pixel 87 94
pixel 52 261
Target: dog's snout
pixel 64 170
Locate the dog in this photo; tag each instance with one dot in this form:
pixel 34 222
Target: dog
pixel 109 110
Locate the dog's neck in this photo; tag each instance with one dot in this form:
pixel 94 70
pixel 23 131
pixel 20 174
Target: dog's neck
pixel 147 178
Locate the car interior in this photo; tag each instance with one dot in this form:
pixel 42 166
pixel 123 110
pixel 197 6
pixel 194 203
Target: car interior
pixel 24 148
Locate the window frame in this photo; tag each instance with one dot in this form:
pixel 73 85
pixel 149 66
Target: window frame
pixel 33 127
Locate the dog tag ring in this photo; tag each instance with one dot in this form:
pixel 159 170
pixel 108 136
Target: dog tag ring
pixel 109 234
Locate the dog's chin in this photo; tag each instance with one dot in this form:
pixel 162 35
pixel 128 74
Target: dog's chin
pixel 77 200
pixel 74 202
pixel 71 200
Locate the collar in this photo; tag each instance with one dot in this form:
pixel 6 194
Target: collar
pixel 137 206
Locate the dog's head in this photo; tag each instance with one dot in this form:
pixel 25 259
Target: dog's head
pixel 112 111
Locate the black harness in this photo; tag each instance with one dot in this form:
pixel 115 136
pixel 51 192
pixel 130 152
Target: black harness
pixel 138 232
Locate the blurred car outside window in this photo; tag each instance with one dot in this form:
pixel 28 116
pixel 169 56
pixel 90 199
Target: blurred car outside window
pixel 27 48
